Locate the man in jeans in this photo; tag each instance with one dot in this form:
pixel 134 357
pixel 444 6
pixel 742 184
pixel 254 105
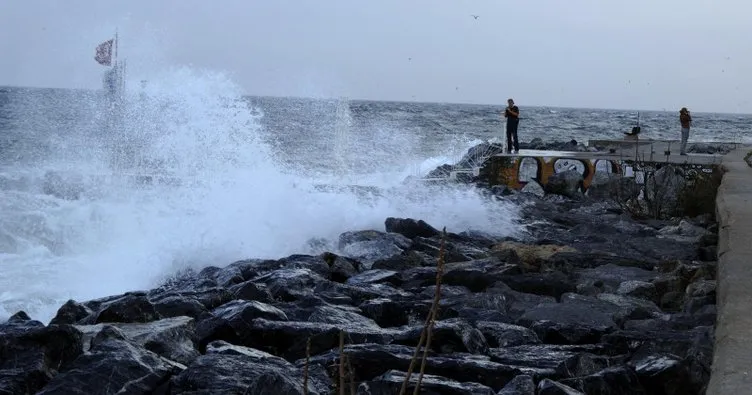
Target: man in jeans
pixel 686 120
pixel 512 114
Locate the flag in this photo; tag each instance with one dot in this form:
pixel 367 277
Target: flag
pixel 104 53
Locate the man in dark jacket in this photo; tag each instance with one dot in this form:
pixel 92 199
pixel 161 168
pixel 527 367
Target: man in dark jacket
pixel 512 114
pixel 686 121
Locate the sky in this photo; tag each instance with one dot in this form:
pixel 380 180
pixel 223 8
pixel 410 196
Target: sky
pixel 637 54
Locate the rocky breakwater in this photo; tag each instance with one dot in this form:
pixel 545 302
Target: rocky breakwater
pixel 584 300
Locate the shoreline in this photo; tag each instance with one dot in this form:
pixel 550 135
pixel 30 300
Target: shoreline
pixel 587 298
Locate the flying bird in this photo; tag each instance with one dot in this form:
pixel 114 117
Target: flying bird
pixel 475 16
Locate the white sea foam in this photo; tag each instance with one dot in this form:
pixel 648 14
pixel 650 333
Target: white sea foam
pixel 72 227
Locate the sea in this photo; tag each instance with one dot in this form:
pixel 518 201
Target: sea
pixel 187 171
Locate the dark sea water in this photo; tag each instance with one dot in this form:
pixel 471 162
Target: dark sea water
pixel 73 224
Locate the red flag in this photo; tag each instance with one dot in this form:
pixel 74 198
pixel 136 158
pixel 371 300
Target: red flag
pixel 104 53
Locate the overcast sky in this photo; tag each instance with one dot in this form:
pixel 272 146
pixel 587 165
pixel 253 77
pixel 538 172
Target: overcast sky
pixel 637 54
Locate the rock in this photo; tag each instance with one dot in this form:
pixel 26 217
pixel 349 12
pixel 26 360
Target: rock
pixel 611 276
pixel 532 257
pixel 386 312
pixel 533 188
pixel 70 313
pixel 340 268
pixel 613 187
pixel 476 275
pixel 31 354
pixel 520 385
pixel 552 284
pixel 410 228
pixel 251 291
pixel 452 336
pixel 404 261
pixel 499 334
pixel 115 364
pixel 663 189
pixel 390 383
pixel 638 289
pixel 664 374
pixel 566 323
pixel 701 288
pixel 172 338
pixel 619 308
pixel 290 284
pixel 131 307
pixel 554 361
pixel 372 360
pixel 371 246
pixel 685 229
pixel 233 321
pixel 227 368
pixel 550 387
pixel 288 339
pixel 375 276
pixel 619 380
pixel 567 183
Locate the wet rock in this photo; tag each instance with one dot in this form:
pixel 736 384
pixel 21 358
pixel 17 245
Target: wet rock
pixel 499 334
pixel 251 291
pixel 113 363
pixel 172 338
pixel 131 307
pixel 70 313
pixel 476 275
pixel 288 339
pixel 31 354
pixel 340 268
pixel 550 387
pixel 638 289
pixel 520 385
pixel 554 361
pixel 451 336
pixel 232 321
pixel 403 261
pixel 371 246
pixel 372 360
pixel 664 374
pixel 567 183
pixel 567 323
pixel 390 383
pixel 619 380
pixel 552 284
pixel 410 228
pixel 611 276
pixel 376 276
pixel 386 312
pixel 227 368
pixel 533 188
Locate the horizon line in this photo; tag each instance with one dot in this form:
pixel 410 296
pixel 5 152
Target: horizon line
pixel 411 101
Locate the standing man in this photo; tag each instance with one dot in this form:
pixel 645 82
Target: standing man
pixel 512 114
pixel 686 121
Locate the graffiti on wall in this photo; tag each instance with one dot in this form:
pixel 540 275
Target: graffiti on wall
pixel 516 172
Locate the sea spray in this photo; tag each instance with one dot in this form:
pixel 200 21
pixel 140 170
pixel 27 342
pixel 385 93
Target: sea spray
pixel 190 177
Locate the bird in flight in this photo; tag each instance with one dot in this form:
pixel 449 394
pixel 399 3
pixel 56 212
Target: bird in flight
pixel 475 16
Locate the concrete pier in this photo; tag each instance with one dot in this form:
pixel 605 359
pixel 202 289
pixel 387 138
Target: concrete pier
pixel 731 372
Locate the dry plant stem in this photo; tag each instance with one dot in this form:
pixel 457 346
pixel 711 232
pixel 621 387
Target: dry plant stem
pixel 305 368
pixel 351 374
pixel 341 364
pixel 434 311
pixel 414 359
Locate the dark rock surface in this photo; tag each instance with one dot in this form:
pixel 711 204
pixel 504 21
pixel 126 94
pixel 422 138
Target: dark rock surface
pixel 584 300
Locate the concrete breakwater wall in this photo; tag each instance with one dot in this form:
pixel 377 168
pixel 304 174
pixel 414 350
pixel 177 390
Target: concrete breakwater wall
pixel 517 171
pixel 731 372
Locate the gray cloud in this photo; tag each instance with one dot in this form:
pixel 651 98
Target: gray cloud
pixel 578 53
